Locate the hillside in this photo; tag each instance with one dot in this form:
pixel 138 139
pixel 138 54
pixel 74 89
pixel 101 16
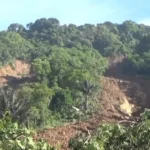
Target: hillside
pixel 121 99
pixel 54 77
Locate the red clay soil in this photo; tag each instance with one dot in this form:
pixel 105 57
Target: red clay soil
pixel 19 68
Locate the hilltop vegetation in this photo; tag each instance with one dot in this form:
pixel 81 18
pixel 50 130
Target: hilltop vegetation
pixel 36 39
pixel 67 62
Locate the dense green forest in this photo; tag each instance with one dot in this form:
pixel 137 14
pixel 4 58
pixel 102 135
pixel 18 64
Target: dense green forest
pixel 67 62
pixel 37 40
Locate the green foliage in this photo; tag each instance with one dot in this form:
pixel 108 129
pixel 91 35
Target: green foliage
pixel 15 137
pixel 116 136
pixel 140 63
pixel 37 40
pixel 13 46
pixel 41 68
pixel 66 63
pixel 140 58
pixel 61 102
pixel 108 38
pixel 29 104
pixel 65 71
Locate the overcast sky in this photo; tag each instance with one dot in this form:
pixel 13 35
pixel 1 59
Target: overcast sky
pixel 74 11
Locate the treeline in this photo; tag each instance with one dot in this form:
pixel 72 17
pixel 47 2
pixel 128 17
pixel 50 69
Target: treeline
pixel 108 38
pixel 128 39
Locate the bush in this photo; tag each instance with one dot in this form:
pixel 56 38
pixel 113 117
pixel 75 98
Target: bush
pixel 117 137
pixel 14 137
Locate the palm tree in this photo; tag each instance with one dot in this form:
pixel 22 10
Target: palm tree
pixel 87 90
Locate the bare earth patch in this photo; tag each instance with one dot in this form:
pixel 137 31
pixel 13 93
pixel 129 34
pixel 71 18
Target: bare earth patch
pixel 18 69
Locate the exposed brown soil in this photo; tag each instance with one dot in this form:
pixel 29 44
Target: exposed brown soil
pixel 17 70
